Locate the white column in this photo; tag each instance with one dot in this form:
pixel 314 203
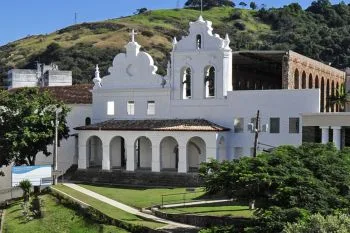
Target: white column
pixel 106 160
pixel 82 160
pixel 182 168
pixel 155 156
pixel 325 134
pixel 130 157
pixel 336 136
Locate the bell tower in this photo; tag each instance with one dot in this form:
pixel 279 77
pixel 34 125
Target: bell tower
pixel 201 64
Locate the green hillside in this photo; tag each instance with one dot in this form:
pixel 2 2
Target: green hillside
pixel 321 32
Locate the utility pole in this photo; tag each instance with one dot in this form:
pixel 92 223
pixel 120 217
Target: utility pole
pixel 257 130
pixel 55 150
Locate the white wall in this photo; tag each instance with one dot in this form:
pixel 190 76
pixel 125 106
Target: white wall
pixel 68 150
pixel 141 85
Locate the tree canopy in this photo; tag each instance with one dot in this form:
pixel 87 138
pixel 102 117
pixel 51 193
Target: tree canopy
pixel 27 119
pixel 207 4
pixel 292 182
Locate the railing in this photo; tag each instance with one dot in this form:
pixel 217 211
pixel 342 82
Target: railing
pixel 179 198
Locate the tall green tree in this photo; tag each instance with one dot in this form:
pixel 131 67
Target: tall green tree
pixel 253 5
pixel 27 119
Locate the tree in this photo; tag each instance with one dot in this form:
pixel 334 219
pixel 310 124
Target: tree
pixel 207 4
pixel 243 4
pixel 317 223
pixel 26 124
pixel 253 6
pixel 341 97
pixel 26 186
pixel 140 11
pixel 315 177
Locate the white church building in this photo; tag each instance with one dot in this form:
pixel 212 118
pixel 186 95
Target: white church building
pixel 143 121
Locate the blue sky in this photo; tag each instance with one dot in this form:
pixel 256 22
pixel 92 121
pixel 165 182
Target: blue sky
pixel 19 18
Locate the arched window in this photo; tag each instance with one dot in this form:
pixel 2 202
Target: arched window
pixel 303 80
pixel 322 95
pixel 186 83
pixel 296 79
pixel 333 93
pixel 317 84
pixel 310 81
pixel 88 121
pixel 209 81
pixel 199 41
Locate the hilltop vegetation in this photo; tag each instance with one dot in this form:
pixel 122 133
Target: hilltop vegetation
pixel 322 32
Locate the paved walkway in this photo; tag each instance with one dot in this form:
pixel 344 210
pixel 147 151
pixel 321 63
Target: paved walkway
pixel 124 207
pixel 195 203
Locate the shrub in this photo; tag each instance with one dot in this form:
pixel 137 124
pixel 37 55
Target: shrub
pixel 240 26
pixel 147 33
pixel 236 15
pixel 26 186
pixel 318 224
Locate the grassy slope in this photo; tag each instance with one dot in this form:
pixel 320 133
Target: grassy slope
pixel 108 209
pixel 57 219
pixel 156 31
pixel 143 197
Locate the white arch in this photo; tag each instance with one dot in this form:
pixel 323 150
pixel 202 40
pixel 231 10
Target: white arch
pixel 117 152
pixel 210 81
pixel 186 82
pixel 169 153
pixel 196 152
pixel 94 152
pixel 143 153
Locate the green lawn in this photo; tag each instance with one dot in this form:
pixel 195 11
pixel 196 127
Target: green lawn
pixel 144 197
pixel 57 219
pixel 236 211
pixel 108 209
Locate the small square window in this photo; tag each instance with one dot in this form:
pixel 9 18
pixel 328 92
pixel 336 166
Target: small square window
pixel 253 121
pixel 151 108
pixel 294 125
pixel 238 124
pixel 274 125
pixel 131 108
pixel 110 108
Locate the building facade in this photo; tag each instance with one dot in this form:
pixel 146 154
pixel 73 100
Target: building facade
pixel 201 109
pixel 43 76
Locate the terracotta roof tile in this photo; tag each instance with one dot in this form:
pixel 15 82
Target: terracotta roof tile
pixel 156 125
pixel 75 94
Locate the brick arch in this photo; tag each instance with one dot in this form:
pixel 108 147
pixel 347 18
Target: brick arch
pixel 322 87
pixel 332 94
pixel 296 79
pixel 311 81
pixel 328 87
pixel 317 82
pixel 303 80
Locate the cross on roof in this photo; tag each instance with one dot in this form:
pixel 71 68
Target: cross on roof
pixel 133 34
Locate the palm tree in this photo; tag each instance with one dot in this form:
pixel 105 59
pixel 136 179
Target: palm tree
pixel 341 98
pixel 26 186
